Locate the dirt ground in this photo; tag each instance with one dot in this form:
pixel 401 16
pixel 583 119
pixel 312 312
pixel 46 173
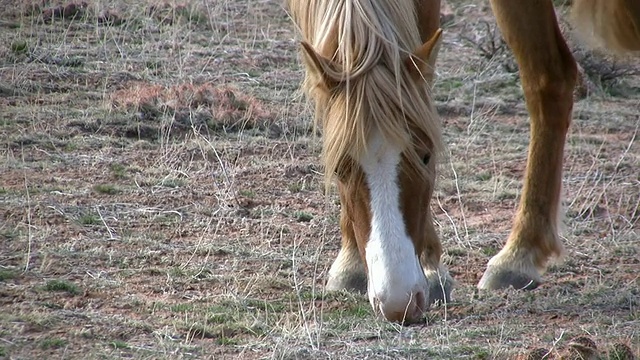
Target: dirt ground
pixel 161 195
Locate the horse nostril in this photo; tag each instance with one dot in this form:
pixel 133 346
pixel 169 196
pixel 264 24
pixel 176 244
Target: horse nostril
pixel 426 158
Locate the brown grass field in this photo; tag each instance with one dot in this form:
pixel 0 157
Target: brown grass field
pixel 161 195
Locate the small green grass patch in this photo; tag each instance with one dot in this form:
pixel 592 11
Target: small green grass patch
pixel 302 216
pixel 119 171
pixel 118 344
pixel 7 275
pixel 247 193
pixel 89 219
pixel 181 308
pixel 295 187
pixel 53 343
pixel 9 234
pixel 173 183
pixel 19 46
pixel 220 318
pixel 489 250
pixel 108 189
pixel 62 286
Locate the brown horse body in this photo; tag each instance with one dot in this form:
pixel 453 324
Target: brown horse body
pixel 369 64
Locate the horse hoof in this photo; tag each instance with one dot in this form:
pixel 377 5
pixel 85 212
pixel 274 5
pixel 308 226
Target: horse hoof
pixel 355 282
pixel 440 286
pixel 498 277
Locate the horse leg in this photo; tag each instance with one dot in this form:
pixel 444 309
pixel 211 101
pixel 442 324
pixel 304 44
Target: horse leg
pixel 440 282
pixel 548 73
pixel 348 270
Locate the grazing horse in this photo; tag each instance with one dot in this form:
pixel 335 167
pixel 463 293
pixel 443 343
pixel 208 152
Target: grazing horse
pixel 369 67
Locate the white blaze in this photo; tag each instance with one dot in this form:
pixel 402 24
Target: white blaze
pixel 395 275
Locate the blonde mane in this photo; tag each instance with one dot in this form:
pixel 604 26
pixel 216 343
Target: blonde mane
pixel 369 42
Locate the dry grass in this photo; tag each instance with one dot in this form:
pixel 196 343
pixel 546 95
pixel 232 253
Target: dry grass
pixel 599 72
pixel 160 197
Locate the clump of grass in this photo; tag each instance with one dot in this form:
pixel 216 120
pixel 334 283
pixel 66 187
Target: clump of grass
pixel 181 308
pixel 62 286
pixel 483 176
pixel 224 334
pixel 303 216
pixel 108 189
pixel 220 318
pixel 359 310
pixel 295 187
pixel 173 183
pixel 247 193
pixel 7 275
pixel 476 351
pixel 19 47
pixel 178 14
pixel 456 251
pixel 152 64
pixel 489 250
pixel 119 171
pixel 620 351
pixel 117 344
pixel 89 219
pixel 217 108
pixel 227 341
pixel 10 234
pixel 53 343
pixel 71 146
pixel 177 271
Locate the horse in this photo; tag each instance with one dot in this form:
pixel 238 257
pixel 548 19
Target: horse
pixel 369 68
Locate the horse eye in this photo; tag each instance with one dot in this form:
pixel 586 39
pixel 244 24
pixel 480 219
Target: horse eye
pixel 426 158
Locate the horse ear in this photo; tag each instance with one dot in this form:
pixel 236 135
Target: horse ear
pixel 326 68
pixel 422 62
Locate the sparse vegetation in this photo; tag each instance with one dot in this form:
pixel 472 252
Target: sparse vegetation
pixel 9 234
pixel 52 343
pixel 19 46
pixel 119 171
pixel 247 193
pixel 181 308
pixel 7 274
pixel 117 344
pixel 62 285
pixel 303 216
pixel 108 189
pixel 161 195
pixel 604 71
pixel 295 187
pixel 491 45
pixel 89 219
pixel 171 182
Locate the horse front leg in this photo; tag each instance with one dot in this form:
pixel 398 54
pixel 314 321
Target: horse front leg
pixel 348 269
pixel 548 74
